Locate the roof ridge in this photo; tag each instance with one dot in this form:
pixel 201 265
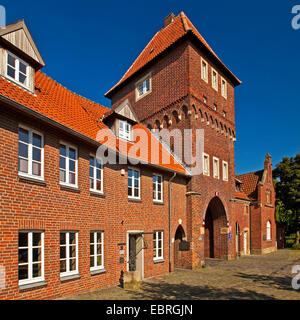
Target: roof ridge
pixel 75 93
pixel 243 174
pixel 184 22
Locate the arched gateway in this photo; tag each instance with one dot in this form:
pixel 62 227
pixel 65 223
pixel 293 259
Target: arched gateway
pixel 180 256
pixel 216 231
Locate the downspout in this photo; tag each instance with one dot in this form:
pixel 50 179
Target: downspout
pixel 170 220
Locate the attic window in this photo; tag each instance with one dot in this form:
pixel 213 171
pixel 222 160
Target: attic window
pixel 143 87
pixel 17 69
pixel 125 130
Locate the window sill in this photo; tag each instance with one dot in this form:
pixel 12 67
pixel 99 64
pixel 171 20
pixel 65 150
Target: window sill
pixel 97 193
pixel 160 260
pixel 70 277
pixel 27 178
pixel 269 205
pixel 69 187
pixel 96 272
pixel 158 202
pixel 33 285
pixel 135 199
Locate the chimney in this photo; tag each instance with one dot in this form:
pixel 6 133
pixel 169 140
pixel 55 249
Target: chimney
pixel 169 19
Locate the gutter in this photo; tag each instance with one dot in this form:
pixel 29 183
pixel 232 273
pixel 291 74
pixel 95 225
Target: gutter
pixel 170 220
pixel 73 132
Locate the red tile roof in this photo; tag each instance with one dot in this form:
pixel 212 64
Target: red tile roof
pixel 162 40
pixel 250 181
pixel 56 102
pixel 241 195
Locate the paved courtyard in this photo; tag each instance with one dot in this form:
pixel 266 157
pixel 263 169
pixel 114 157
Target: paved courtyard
pixel 253 277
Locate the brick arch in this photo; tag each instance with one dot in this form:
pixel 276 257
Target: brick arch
pixel 149 126
pixel 185 111
pixel 215 239
pixel 175 115
pixel 157 124
pixel 166 121
pixel 180 257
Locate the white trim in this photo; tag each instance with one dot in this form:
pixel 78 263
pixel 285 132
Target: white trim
pixel 67 259
pixel 225 94
pixel 208 164
pixel 30 259
pixel 67 157
pixel 17 70
pixel 132 193
pixel 225 163
pixel 212 79
pixel 30 146
pixel 139 82
pixel 202 76
pixel 94 189
pixel 218 167
pixel 157 248
pixel 95 250
pixel 124 135
pixel 156 200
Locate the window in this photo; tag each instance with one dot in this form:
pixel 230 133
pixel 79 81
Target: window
pixel 96 250
pixel 31 153
pixel 96 175
pixel 143 87
pixel 204 99
pixel 246 209
pixel 125 130
pixel 224 88
pixel 216 168
pixel 268 230
pixel 204 70
pixel 68 253
pixel 31 256
pixel 215 79
pixel 206 164
pixel 134 188
pixel 157 188
pixel 225 171
pixel 67 165
pixel 224 114
pixel 17 69
pixel 158 245
pixel 215 107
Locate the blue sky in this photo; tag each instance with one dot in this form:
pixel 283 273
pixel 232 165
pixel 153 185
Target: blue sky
pixel 88 45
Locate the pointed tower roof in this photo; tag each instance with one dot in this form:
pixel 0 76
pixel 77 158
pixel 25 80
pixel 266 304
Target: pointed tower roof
pixel 177 28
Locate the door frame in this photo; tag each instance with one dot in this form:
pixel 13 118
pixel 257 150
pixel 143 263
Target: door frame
pixel 129 232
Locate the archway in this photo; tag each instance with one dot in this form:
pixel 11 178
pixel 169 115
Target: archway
pixel 216 235
pixel 179 255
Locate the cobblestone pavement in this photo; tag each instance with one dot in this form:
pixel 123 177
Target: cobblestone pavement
pixel 252 277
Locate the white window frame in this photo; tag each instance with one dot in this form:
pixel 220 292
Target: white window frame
pixel 155 196
pixel 223 91
pixel 225 172
pixel 206 156
pixel 218 168
pixel 142 81
pixel 215 86
pixel 269 231
pixel 94 188
pixel 67 169
pixel 67 245
pixel 30 153
pixel 132 178
pixel 204 76
pixel 124 134
pixel 95 254
pixel 30 262
pixel 157 257
pixel 17 70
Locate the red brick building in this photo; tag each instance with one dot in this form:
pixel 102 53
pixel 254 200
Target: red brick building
pixel 70 223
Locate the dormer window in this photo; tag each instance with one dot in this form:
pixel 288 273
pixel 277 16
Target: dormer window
pixel 143 87
pixel 17 70
pixel 125 130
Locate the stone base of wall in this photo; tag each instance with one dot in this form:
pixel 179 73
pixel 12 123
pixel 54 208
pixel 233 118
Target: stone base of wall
pixel 263 251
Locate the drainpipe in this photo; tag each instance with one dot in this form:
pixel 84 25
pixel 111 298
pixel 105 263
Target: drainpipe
pixel 170 220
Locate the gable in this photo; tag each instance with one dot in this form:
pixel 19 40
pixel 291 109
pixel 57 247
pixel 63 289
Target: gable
pixel 125 110
pixel 18 35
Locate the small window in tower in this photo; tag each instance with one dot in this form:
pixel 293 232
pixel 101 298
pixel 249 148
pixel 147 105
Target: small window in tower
pixel 224 114
pixel 225 171
pixel 216 168
pixel 224 88
pixel 17 69
pixel 215 79
pixel 204 70
pixel 204 99
pixel 205 164
pixel 143 87
pixel 215 107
